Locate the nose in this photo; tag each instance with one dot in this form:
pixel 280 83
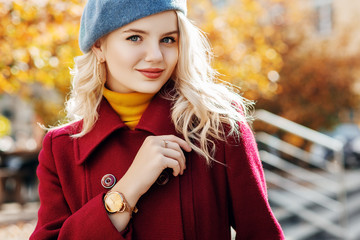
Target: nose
pixel 154 53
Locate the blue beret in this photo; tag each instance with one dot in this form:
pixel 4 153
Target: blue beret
pixel 101 17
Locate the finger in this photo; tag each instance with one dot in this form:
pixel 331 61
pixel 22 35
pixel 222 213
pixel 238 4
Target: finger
pixel 183 144
pixel 174 146
pixel 173 164
pixel 176 155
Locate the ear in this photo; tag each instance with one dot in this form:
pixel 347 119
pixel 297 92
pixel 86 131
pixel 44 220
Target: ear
pixel 98 50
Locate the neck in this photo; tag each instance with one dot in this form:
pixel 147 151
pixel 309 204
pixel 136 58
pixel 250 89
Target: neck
pixel 129 106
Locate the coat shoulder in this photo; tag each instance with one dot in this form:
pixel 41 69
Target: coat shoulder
pixel 66 130
pixel 243 135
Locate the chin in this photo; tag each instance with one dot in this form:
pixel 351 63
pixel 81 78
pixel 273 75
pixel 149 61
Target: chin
pixel 151 89
pixel 151 92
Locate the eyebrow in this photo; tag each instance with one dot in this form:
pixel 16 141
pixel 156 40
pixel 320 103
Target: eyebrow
pixel 144 32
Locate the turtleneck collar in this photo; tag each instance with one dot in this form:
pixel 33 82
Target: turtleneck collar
pixel 129 106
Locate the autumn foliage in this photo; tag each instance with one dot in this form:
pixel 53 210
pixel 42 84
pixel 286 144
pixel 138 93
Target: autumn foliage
pixel 317 90
pixel 317 84
pixel 38 41
pixel 245 45
pixel 264 47
pixel 252 47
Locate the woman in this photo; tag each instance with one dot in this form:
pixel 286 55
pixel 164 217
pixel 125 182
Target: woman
pixel 156 149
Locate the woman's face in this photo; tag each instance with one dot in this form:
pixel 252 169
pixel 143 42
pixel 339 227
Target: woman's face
pixel 141 56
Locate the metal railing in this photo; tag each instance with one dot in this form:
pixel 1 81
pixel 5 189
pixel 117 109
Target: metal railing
pixel 308 186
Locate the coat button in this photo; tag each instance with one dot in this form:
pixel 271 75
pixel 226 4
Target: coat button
pixel 163 178
pixel 108 181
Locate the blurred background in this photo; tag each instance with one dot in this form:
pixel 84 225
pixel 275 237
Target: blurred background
pixel 298 60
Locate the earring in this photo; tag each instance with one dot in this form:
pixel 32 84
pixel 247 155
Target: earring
pixel 100 72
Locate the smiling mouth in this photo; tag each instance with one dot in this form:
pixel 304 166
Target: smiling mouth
pixel 152 73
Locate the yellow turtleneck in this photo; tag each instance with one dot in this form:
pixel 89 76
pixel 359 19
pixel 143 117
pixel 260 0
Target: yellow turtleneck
pixel 129 106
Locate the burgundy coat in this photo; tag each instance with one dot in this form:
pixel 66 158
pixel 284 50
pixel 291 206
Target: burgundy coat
pixel 201 204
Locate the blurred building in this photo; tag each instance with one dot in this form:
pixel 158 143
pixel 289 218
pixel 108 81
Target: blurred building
pixel 336 20
pixel 325 19
pixel 21 116
pixel 25 115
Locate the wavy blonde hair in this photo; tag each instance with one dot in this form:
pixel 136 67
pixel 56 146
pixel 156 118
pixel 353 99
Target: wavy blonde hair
pixel 203 109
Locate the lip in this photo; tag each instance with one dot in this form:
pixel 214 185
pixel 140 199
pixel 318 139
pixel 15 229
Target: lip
pixel 152 73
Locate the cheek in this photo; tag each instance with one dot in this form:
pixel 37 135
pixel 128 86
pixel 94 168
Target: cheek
pixel 120 57
pixel 173 58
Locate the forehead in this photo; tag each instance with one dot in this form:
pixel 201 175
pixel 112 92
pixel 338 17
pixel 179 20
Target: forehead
pixel 164 21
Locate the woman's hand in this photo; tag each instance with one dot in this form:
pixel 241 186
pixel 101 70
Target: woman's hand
pixel 156 154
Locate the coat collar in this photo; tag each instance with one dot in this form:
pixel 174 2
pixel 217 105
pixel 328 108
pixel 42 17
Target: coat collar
pixel 156 120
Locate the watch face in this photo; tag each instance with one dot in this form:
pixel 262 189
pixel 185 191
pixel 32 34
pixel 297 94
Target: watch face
pixel 114 202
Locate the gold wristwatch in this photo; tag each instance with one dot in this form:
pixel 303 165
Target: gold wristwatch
pixel 115 202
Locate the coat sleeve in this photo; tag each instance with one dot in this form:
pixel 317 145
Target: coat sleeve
pixel 252 217
pixel 55 219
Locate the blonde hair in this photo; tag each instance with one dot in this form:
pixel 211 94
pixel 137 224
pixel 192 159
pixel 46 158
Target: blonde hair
pixel 202 108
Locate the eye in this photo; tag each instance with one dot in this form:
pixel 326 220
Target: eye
pixel 134 38
pixel 168 40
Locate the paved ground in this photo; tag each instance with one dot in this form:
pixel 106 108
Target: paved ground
pixel 17 222
pixel 18 231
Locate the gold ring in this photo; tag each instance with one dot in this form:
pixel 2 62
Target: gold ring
pixel 165 144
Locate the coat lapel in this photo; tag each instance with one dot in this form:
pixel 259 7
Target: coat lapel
pixel 157 117
pixel 156 120
pixel 108 121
